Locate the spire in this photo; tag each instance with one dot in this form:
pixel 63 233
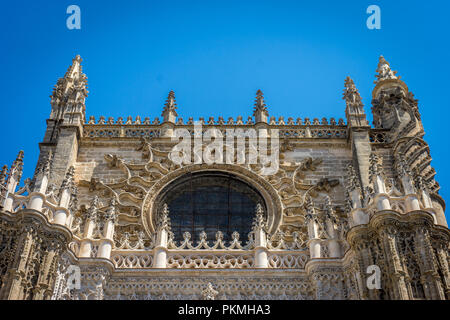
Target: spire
pixel 260 111
pixel 258 220
pixel 309 205
pixel 70 91
pixel 352 179
pixel 354 111
pixel 169 112
pixel 163 220
pixel 375 166
pixel 111 214
pixel 91 213
pixel 17 167
pixel 44 165
pixel 68 179
pixel 351 94
pixel 384 71
pixel 3 175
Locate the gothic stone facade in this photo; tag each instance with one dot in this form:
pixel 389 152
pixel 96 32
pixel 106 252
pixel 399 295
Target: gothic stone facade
pixel 104 218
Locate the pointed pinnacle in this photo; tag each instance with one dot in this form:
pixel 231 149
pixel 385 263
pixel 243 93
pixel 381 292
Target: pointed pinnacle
pixel 384 71
pixel 77 59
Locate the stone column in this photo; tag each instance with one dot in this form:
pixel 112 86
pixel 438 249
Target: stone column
pixel 313 230
pixel 430 277
pixel 377 180
pixel 411 202
pixel 44 288
pixel 162 235
pixel 90 223
pixel 354 199
pixel 331 223
pixel 107 243
pixel 62 212
pixel 14 291
pixel 424 194
pixel 397 272
pixel 442 256
pixel 40 183
pixel 260 234
pixel 14 175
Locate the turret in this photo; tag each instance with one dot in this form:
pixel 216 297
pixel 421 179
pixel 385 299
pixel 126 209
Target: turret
pixel 396 110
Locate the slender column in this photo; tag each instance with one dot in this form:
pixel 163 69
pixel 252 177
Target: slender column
pixel 43 289
pixel 397 273
pixel 331 223
pixel 357 215
pixel 430 277
pixel 40 183
pixel 91 220
pixel 313 230
pixel 412 202
pixel 260 234
pixel 15 173
pixel 442 255
pixel 162 235
pixel 61 214
pixel 424 194
pixel 376 178
pixel 18 273
pixel 110 217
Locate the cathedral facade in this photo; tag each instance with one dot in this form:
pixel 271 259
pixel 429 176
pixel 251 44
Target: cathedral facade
pixel 256 208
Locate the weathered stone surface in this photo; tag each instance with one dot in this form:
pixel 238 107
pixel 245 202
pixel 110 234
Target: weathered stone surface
pixel 345 199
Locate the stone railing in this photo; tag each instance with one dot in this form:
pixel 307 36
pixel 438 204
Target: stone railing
pixel 209 259
pixel 379 136
pixel 215 255
pixel 316 131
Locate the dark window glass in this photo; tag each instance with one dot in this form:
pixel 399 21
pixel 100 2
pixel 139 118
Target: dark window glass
pixel 211 202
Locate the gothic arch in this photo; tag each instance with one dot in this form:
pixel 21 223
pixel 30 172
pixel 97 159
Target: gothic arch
pixel 268 193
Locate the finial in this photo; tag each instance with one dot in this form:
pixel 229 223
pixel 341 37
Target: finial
pixel 375 166
pixel 77 59
pixel 384 71
pixel 68 179
pixel 163 220
pixel 351 94
pixel 330 214
pixel 259 221
pixel 17 166
pixel 3 175
pixel 402 166
pixel 169 112
pixel 352 179
pixel 110 214
pixel 91 213
pixel 260 111
pixel 309 204
pixel 354 111
pixel 45 165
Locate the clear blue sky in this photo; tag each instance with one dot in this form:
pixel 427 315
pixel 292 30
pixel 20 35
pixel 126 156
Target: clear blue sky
pixel 215 55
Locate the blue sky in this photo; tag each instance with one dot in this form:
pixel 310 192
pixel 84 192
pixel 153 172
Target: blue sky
pixel 215 55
